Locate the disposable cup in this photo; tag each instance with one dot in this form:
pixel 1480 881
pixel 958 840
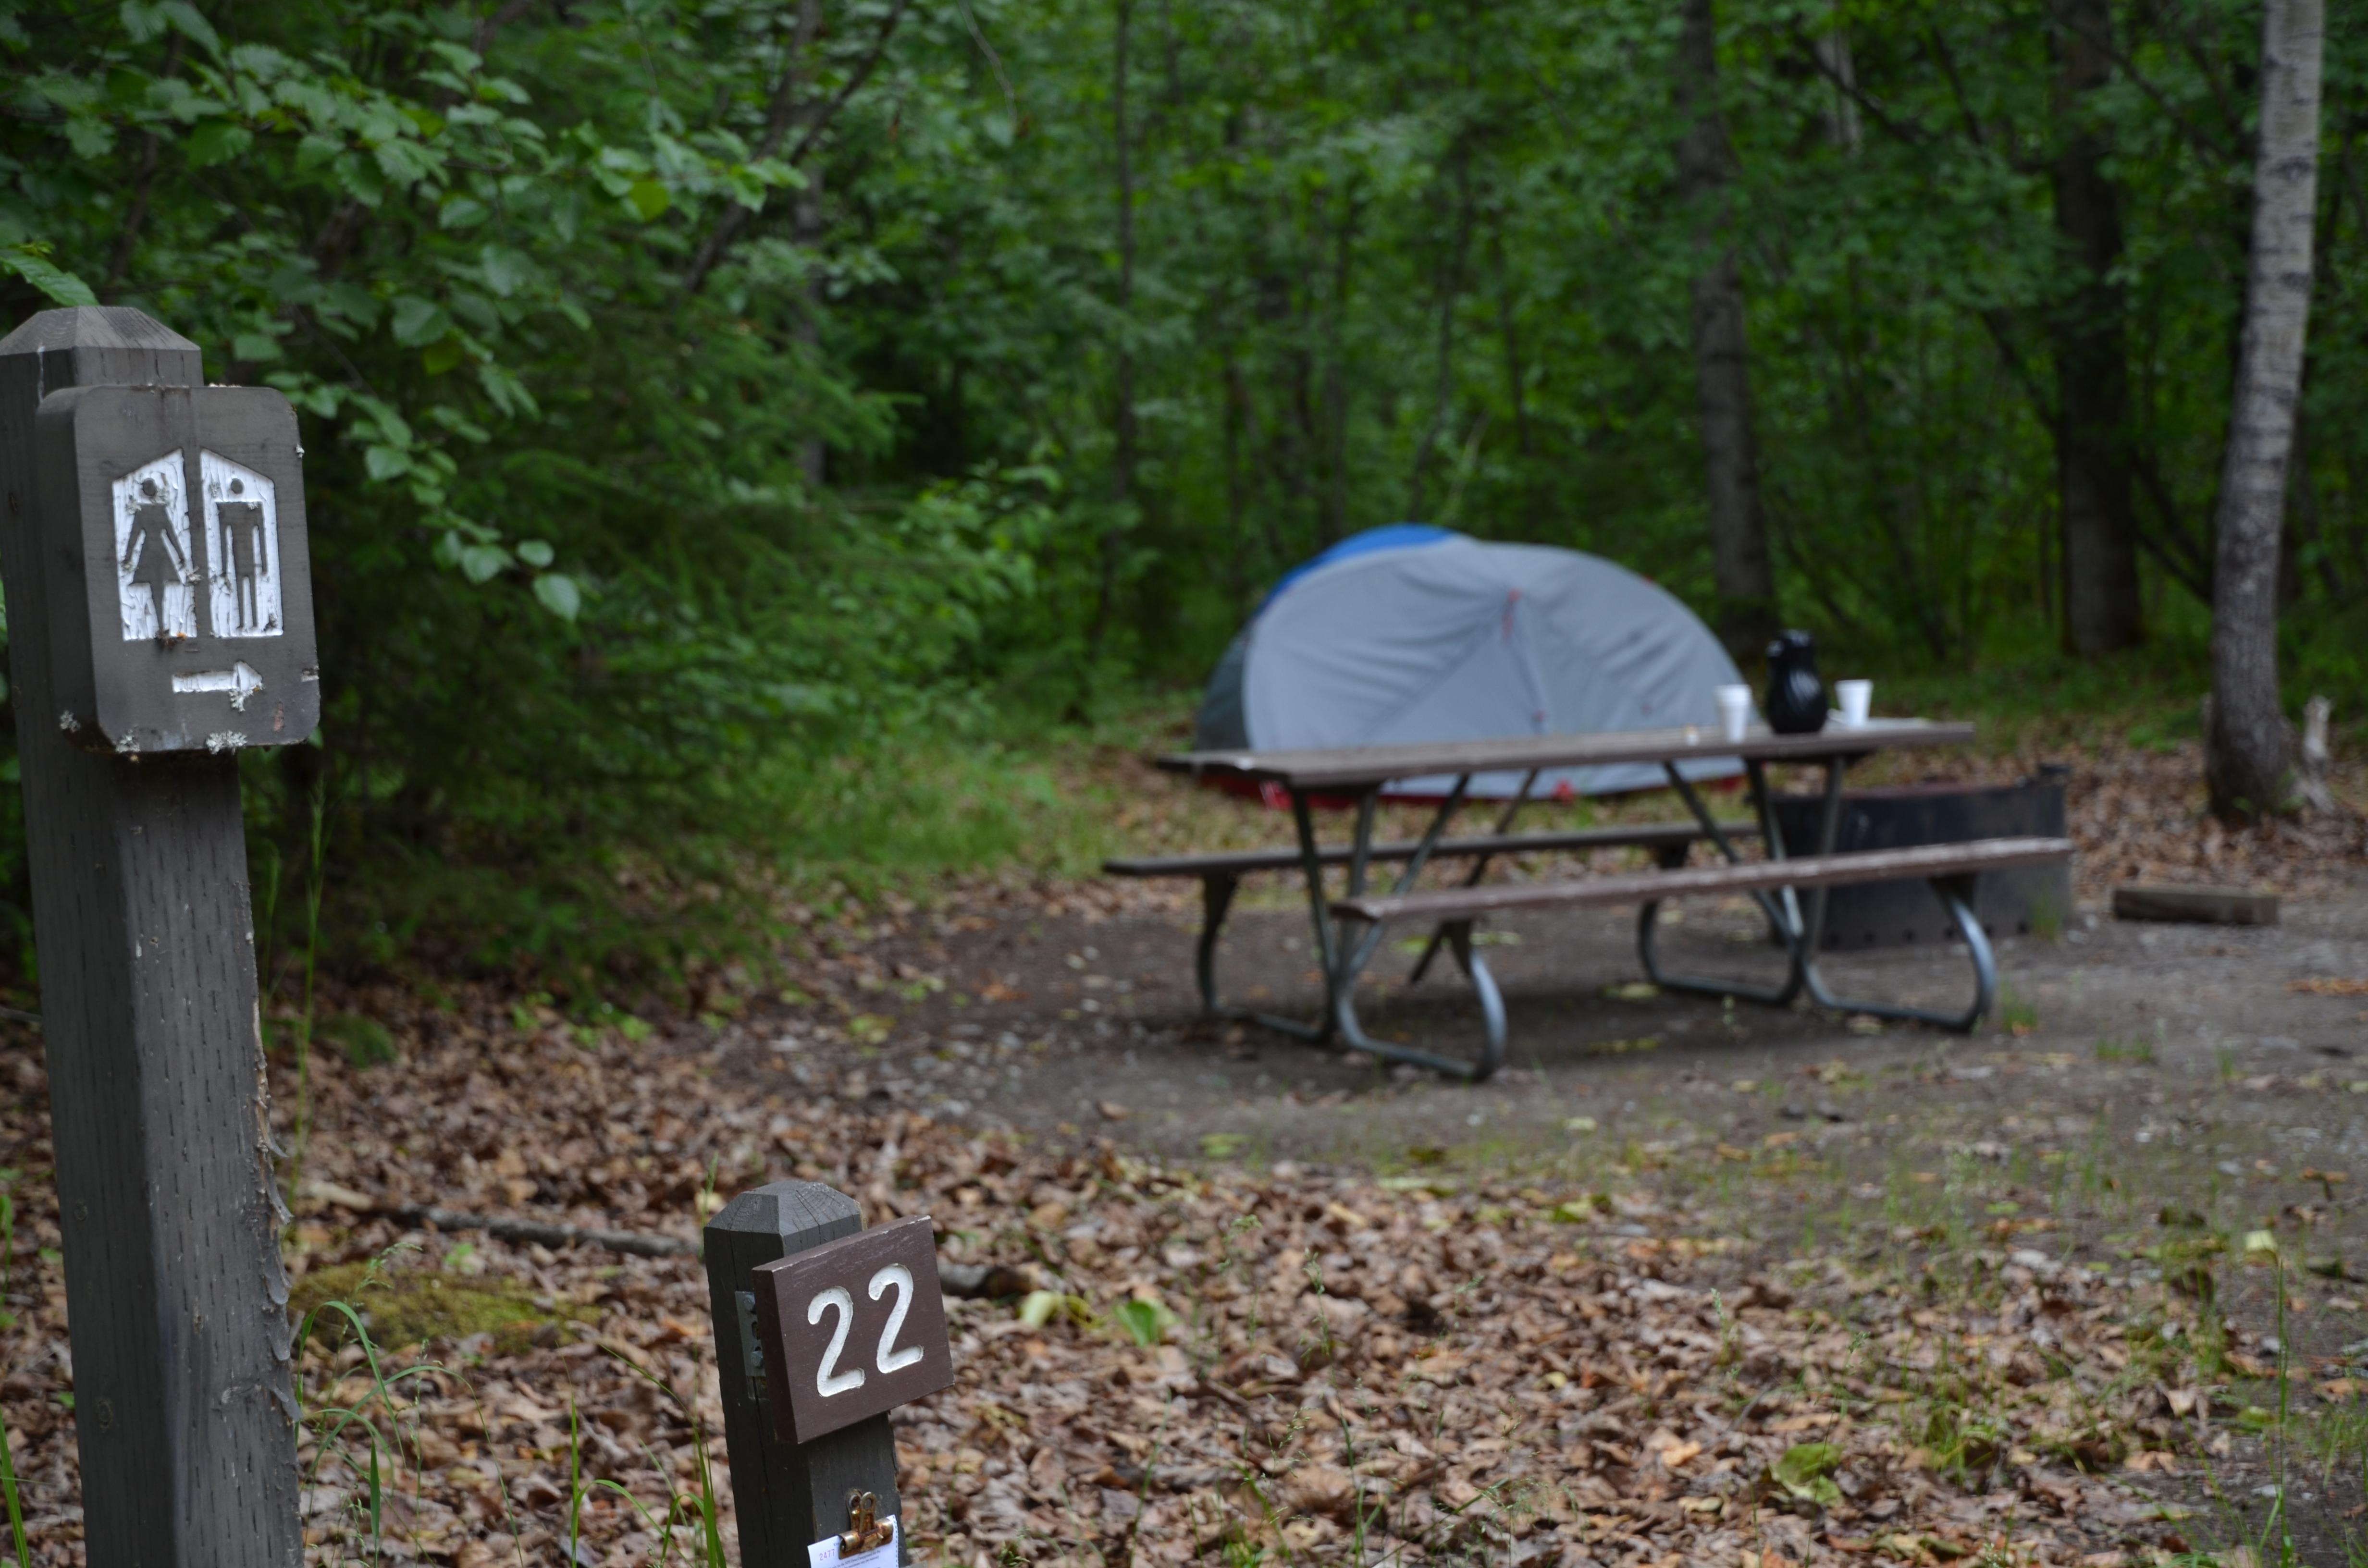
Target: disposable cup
pixel 1734 711
pixel 1856 697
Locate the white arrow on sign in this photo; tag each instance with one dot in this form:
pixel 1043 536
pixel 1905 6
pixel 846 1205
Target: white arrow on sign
pixel 239 680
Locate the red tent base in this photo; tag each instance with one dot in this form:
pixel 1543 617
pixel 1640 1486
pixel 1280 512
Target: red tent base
pixel 1275 798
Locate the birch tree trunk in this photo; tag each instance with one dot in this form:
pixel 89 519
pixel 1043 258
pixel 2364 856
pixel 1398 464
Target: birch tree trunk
pixel 1738 523
pixel 2244 751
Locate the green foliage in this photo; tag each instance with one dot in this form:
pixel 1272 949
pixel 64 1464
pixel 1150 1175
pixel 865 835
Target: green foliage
pixel 573 572
pixel 675 467
pixel 8 1495
pixel 1145 1322
pixel 29 259
pixel 1805 1472
pixel 364 1041
pixel 404 1307
pixel 1962 1441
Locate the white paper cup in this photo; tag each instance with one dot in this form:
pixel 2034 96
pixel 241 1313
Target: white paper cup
pixel 1734 711
pixel 1856 697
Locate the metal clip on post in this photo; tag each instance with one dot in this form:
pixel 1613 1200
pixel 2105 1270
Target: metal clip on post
pixel 866 1531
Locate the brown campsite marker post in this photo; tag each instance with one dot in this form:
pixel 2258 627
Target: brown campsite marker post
pixel 151 539
pixel 821 1328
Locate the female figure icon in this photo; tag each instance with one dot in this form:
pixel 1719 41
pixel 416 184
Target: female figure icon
pixel 155 561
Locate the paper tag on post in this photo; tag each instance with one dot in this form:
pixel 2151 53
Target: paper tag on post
pixel 825 1553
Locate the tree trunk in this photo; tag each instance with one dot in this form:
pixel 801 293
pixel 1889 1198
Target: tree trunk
pixel 805 229
pixel 1451 293
pixel 1231 402
pixel 2101 608
pixel 1738 523
pixel 2304 538
pixel 1333 522
pixel 1833 48
pixel 1516 375
pixel 1123 425
pixel 2244 751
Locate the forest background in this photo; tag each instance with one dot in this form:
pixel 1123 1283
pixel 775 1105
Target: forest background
pixel 744 437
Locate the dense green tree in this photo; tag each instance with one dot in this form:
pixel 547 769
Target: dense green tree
pixel 696 392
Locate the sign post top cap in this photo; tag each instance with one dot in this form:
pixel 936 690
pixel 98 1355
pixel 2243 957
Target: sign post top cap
pixel 789 1209
pixel 93 326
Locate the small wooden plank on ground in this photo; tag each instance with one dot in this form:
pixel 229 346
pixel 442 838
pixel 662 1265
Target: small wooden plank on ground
pixel 2207 906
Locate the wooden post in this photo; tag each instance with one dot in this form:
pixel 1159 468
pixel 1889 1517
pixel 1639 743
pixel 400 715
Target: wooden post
pixel 183 1407
pixel 788 1495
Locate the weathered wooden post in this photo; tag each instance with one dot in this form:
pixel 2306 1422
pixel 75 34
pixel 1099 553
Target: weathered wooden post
pixel 151 539
pixel 821 1328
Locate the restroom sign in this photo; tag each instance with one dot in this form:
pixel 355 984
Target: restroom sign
pixel 180 573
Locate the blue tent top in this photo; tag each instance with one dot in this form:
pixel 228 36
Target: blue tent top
pixel 1389 536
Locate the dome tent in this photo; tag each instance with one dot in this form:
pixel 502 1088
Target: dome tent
pixel 1410 633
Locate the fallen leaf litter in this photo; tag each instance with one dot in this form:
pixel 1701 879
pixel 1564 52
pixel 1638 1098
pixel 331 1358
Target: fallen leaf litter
pixel 1426 1369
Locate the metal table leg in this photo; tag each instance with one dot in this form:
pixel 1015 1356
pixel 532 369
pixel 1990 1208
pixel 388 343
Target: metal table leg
pixel 1340 961
pixel 1479 870
pixel 1422 853
pixel 1956 896
pixel 1782 912
pixel 1216 898
pixel 1348 958
pixel 1803 936
pixel 1311 866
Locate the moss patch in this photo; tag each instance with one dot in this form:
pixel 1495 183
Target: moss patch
pixel 412 1306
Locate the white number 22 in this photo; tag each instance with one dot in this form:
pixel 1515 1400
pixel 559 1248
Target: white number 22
pixel 828 1380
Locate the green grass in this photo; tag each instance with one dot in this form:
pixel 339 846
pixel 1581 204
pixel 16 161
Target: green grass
pixel 412 1305
pixel 363 1435
pixel 700 1508
pixel 719 875
pixel 895 820
pixel 2043 693
pixel 8 1495
pixel 2029 693
pixel 364 1041
pixel 660 915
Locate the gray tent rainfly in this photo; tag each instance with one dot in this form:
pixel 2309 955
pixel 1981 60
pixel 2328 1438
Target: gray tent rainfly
pixel 1409 633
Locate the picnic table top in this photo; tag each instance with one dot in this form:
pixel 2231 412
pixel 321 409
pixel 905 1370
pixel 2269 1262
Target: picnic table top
pixel 1349 766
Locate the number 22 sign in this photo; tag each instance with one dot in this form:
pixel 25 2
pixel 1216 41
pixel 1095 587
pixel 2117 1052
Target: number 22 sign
pixel 852 1328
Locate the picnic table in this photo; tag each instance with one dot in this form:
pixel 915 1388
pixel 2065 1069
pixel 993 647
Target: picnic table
pixel 1789 885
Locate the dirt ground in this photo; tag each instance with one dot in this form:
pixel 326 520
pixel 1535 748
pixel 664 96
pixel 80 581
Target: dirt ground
pixel 2157 1084
pixel 1684 1284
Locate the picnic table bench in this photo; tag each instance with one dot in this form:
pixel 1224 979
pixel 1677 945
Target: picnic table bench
pixel 1349 928
pixel 1221 873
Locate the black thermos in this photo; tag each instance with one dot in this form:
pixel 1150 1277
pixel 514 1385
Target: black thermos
pixel 1796 697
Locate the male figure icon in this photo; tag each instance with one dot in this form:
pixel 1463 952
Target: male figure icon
pixel 242 524
pixel 242 517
